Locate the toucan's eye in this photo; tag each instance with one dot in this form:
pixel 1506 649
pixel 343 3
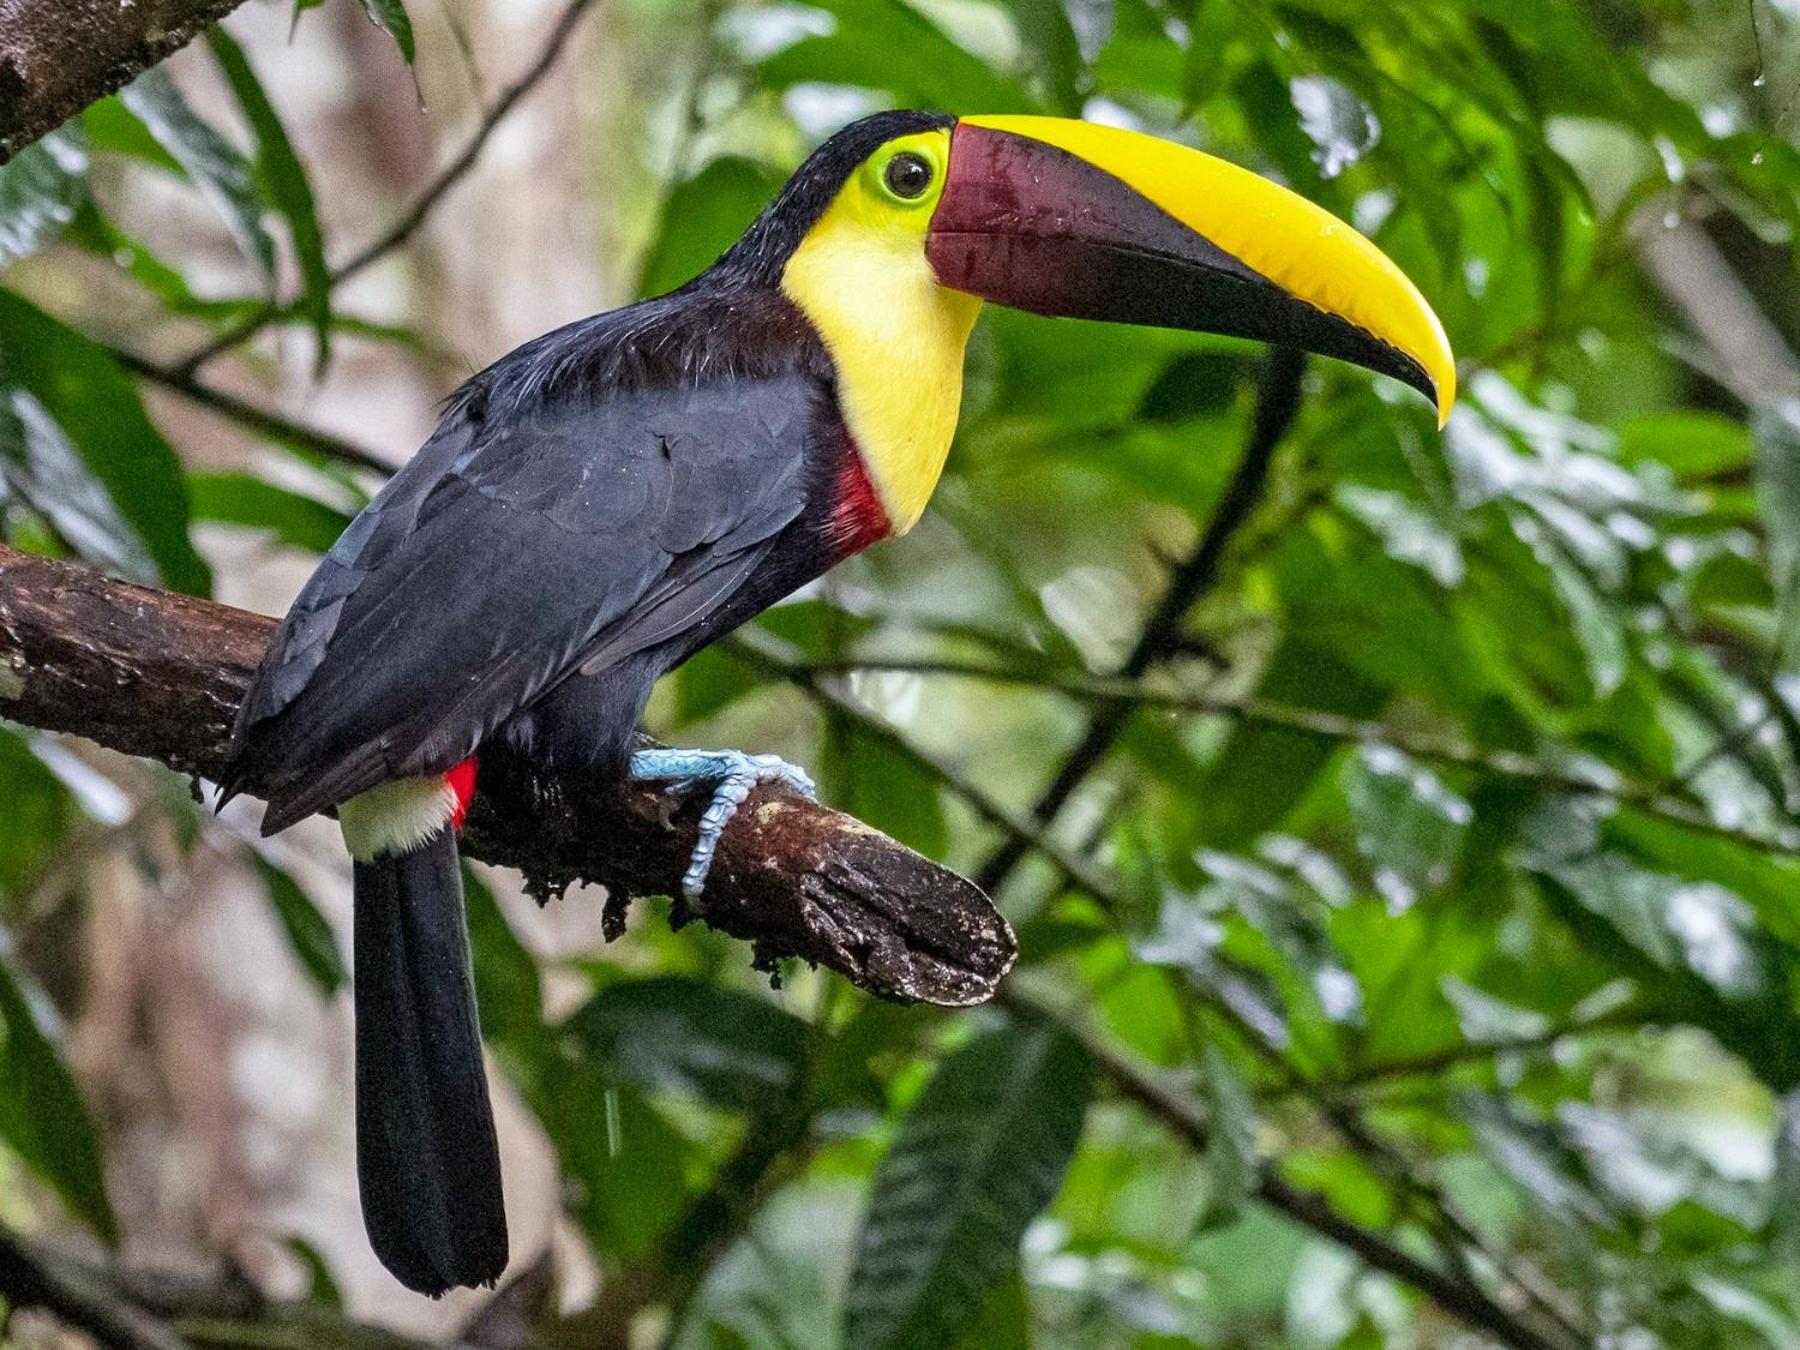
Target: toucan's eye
pixel 908 175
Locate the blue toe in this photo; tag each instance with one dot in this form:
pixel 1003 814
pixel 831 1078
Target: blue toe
pixel 731 775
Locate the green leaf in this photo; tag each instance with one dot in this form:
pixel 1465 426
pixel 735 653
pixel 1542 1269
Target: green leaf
pixel 1053 51
pixel 628 1169
pixel 711 681
pixel 91 399
pixel 283 183
pixel 113 128
pixel 1693 444
pixel 1004 1322
pixel 38 812
pixel 1409 825
pixel 508 990
pixel 321 1287
pixel 703 217
pixel 1535 1157
pixel 1262 771
pixel 225 178
pixel 1784 1185
pixel 41 188
pixel 41 465
pixel 42 1115
pixel 244 499
pixel 1190 937
pixel 1693 951
pixel 390 16
pixel 99 236
pixel 870 778
pixel 1339 124
pixel 889 45
pixel 308 932
pixel 729 1049
pixel 981 1152
pixel 1777 470
pixel 1774 1324
pixel 1232 1163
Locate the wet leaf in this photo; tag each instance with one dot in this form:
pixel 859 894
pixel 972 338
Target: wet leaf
pixel 80 386
pixel 42 467
pixel 1409 825
pixel 225 178
pixel 390 16
pixel 40 189
pixel 1342 127
pixel 309 933
pixel 282 182
pixel 42 1116
pixel 980 1153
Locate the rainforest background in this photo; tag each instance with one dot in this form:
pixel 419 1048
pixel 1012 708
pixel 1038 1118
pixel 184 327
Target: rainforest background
pixel 1409 913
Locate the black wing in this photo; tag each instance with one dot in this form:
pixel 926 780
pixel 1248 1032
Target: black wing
pixel 501 558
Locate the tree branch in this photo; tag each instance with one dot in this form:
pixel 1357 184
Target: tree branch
pixel 1277 400
pixel 408 222
pixel 77 1298
pixel 160 675
pixel 1184 1118
pixel 287 431
pixel 1453 1292
pixel 56 59
pixel 1652 799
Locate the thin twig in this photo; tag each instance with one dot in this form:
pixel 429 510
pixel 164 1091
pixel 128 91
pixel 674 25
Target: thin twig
pixel 1623 1020
pixel 1028 835
pixel 1651 799
pixel 1184 1118
pixel 258 419
pixel 29 1279
pixel 1458 1297
pixel 408 222
pixel 1278 399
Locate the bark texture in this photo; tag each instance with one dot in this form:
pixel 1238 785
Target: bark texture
pixel 160 675
pixel 58 56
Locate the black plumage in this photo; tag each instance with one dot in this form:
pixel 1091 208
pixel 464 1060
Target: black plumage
pixel 603 500
pixel 592 508
pixel 427 1161
pixel 511 556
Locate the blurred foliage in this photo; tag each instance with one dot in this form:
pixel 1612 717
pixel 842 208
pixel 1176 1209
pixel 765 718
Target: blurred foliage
pixel 1447 869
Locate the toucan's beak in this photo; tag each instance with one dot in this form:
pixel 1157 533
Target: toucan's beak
pixel 1085 221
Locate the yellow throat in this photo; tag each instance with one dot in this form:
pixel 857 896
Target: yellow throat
pixel 895 335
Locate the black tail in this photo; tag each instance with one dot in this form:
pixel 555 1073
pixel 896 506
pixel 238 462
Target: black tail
pixel 426 1157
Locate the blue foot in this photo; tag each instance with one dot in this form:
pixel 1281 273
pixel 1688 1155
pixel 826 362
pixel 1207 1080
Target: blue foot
pixel 731 774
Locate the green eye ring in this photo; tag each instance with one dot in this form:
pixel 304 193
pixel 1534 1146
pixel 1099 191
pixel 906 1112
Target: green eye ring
pixel 908 174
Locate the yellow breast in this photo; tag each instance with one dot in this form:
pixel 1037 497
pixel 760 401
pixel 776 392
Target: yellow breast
pixel 896 337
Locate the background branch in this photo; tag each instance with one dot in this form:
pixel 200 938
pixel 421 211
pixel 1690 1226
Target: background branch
pixel 160 675
pixel 56 59
pixel 419 209
pixel 1277 400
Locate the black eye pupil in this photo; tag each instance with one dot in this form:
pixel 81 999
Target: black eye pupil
pixel 908 175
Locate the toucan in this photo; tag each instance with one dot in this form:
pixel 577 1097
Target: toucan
pixel 606 500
